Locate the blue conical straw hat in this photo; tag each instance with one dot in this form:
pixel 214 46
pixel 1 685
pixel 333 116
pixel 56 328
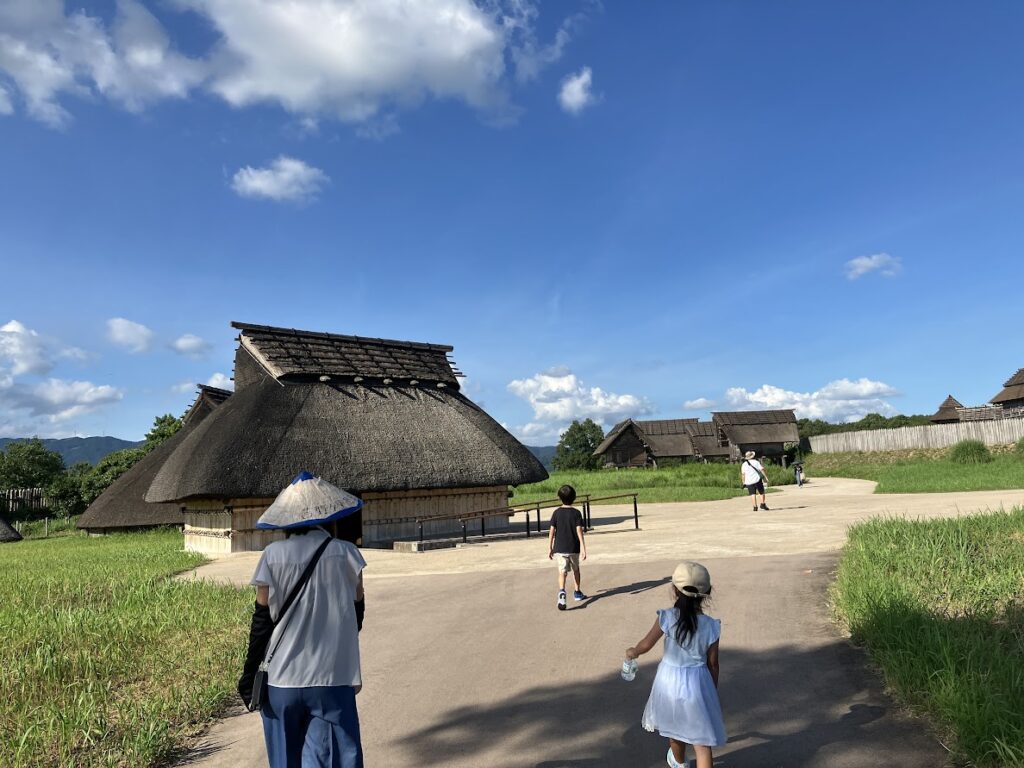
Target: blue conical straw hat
pixel 309 500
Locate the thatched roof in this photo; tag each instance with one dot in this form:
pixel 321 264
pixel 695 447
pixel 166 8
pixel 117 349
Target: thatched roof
pixel 750 427
pixel 704 438
pixel 7 532
pixel 359 436
pixel 664 438
pixel 289 354
pixel 947 411
pixel 612 436
pixel 122 504
pixel 1013 389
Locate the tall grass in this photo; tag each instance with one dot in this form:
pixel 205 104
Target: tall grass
pixel 688 482
pixel 106 661
pixel 897 473
pixel 940 607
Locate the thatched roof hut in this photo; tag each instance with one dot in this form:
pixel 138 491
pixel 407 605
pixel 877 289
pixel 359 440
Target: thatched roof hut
pixel 764 432
pixel 1012 393
pixel 947 413
pixel 705 440
pixel 7 532
pixel 643 443
pixel 381 418
pixel 122 505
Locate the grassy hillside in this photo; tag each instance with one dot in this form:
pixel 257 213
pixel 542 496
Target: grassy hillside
pixel 76 449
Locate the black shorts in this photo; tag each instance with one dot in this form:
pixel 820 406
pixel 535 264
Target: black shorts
pixel 757 487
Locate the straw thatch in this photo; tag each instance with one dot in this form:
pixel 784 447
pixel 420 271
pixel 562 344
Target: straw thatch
pixel 7 532
pixel 648 441
pixel 743 428
pixel 122 505
pixel 369 415
pixel 1013 391
pixel 947 412
pixel 705 440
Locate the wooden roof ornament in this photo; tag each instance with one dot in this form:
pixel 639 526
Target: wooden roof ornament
pixel 364 414
pixel 122 504
pixel 947 411
pixel 1013 389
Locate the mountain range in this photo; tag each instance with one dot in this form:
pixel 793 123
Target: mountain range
pixel 76 449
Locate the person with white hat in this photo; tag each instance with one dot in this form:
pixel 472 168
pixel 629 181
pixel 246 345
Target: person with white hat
pixel 683 705
pixel 304 637
pixel 754 478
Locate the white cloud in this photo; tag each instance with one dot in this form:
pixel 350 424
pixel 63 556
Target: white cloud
pixel 699 404
pixel 183 386
pixel 23 350
pixel 838 401
pixel 285 179
pixel 883 263
pixel 575 94
pixel 558 397
pixel 6 106
pixel 221 381
pixel 133 336
pixel 52 401
pixel 191 345
pixel 350 60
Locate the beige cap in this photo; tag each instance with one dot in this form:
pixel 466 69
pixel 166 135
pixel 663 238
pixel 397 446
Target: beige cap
pixel 692 579
pixel 749 455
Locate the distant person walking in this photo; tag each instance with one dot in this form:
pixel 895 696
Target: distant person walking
pixel 753 478
pixel 304 635
pixel 566 542
pixel 683 705
pixel 798 474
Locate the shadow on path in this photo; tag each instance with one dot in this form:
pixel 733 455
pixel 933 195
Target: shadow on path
pixel 628 589
pixel 787 707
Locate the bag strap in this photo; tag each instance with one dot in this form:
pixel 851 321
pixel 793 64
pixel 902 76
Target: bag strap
pixel 299 586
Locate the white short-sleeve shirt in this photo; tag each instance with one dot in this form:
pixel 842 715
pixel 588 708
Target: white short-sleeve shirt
pixel 750 468
pixel 319 643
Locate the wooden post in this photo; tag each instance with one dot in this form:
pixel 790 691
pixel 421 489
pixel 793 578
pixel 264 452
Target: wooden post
pixel 527 523
pixel 636 514
pixel 538 517
pixel 46 527
pixel 483 527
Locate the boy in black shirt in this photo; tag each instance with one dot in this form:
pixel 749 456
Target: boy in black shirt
pixel 565 539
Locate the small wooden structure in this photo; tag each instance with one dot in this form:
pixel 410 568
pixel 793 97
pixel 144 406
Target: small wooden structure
pixel 643 443
pixel 763 432
pixel 383 419
pixel 707 443
pixel 1012 394
pixel 122 505
pixel 947 413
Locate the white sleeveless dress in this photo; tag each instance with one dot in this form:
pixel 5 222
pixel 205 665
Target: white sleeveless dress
pixel 684 702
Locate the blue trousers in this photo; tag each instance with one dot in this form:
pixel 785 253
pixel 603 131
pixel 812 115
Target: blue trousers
pixel 312 728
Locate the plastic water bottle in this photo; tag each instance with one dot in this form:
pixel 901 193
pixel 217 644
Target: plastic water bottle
pixel 629 669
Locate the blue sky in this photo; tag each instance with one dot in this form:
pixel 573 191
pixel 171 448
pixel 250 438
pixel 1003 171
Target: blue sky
pixel 610 210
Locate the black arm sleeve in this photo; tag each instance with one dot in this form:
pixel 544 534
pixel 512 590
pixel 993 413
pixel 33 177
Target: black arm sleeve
pixel 260 630
pixel 360 612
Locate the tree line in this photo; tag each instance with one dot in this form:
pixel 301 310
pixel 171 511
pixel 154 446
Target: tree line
pixel 70 490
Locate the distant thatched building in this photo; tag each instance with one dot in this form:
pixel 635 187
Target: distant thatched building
pixel 643 443
pixel 947 413
pixel 763 432
pixel 122 505
pixel 7 532
pixel 383 419
pixel 707 443
pixel 1012 393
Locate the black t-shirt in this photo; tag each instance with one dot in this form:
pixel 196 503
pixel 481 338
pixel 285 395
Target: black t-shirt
pixel 565 521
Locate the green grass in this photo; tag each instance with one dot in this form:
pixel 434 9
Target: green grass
pixel 689 482
pixel 899 473
pixel 940 607
pixel 106 661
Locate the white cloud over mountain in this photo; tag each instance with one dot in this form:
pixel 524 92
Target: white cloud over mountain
pixel 352 60
pixel 558 397
pixel 838 401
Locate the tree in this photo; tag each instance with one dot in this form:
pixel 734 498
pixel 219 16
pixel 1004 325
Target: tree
pixel 29 464
pixel 109 468
pixel 164 427
pixel 577 445
pixel 66 494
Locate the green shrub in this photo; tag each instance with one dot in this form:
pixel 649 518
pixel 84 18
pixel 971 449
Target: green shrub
pixel 1019 448
pixel 970 452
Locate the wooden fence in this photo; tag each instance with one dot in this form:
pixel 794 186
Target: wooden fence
pixel 22 501
pixel 996 432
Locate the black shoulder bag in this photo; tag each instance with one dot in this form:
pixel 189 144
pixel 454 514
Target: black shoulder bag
pixel 252 686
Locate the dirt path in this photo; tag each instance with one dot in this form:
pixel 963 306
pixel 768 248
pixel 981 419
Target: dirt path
pixel 467 663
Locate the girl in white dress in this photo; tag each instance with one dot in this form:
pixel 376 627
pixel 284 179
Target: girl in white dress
pixel 684 705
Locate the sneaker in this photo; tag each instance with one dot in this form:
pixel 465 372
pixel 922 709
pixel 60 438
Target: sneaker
pixel 577 596
pixel 764 507
pixel 561 601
